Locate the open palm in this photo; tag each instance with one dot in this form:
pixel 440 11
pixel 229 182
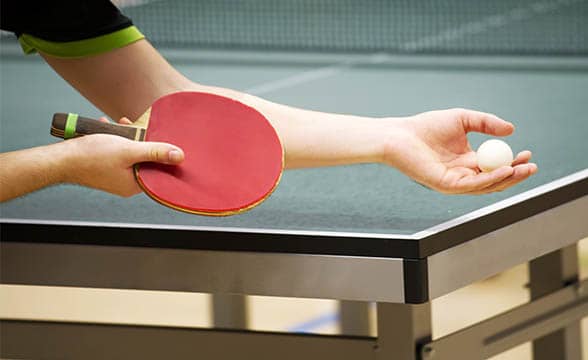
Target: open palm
pixel 433 149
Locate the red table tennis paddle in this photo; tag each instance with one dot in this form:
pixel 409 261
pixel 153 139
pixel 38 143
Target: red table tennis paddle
pixel 233 156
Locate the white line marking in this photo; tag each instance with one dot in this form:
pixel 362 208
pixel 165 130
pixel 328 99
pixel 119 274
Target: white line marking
pixel 475 27
pixel 545 188
pixel 299 78
pixel 125 4
pixel 503 204
pixel 154 226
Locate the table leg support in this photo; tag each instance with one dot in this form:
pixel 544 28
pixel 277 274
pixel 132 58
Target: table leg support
pixel 402 330
pixel 354 317
pixel 229 311
pixel 549 273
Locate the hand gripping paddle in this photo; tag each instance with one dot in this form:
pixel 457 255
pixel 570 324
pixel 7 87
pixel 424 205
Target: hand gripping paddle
pixel 233 156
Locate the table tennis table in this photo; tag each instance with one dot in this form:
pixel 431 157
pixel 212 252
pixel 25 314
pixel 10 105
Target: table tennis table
pixel 362 233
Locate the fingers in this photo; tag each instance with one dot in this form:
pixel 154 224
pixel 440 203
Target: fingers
pixel 150 151
pixel 522 158
pixel 520 173
pixel 474 183
pixel 484 123
pixel 121 121
pixel 155 152
pixel 125 121
pixel 522 170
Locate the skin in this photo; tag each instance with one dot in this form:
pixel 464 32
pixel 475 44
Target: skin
pixel 103 162
pixel 431 148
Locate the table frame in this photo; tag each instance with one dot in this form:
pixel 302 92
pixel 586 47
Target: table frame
pixel 541 226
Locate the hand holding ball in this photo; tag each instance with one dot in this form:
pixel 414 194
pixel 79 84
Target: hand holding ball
pixel 493 154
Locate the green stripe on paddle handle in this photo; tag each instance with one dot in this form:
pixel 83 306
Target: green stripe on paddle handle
pixel 87 126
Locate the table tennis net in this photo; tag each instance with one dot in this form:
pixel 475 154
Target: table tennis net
pixel 547 27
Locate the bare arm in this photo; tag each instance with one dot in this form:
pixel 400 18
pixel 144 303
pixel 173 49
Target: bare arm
pixel 124 82
pixel 28 170
pixel 121 82
pixel 103 162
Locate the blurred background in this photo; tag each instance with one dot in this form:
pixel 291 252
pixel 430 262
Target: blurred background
pixel 498 27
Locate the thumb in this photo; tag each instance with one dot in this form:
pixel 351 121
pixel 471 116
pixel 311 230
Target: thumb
pixel 156 152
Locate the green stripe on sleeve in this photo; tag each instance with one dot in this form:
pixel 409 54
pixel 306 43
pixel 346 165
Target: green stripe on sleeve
pixel 81 48
pixel 70 126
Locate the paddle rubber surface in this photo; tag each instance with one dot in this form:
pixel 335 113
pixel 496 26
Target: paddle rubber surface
pixel 233 156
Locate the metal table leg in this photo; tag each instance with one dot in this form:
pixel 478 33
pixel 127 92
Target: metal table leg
pixel 229 311
pixel 402 329
pixel 354 317
pixel 549 273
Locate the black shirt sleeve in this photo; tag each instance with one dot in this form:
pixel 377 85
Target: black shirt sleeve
pixel 61 20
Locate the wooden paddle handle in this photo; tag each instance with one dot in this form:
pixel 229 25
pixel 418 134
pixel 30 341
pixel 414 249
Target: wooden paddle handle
pixel 66 126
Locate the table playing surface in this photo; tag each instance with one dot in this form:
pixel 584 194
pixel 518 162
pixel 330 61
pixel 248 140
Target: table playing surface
pixel 369 211
pixel 544 99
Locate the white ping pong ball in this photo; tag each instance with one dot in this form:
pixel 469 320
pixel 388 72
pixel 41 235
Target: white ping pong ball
pixel 493 154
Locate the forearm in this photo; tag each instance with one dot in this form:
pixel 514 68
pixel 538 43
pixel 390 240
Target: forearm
pixel 312 138
pixel 125 81
pixel 25 171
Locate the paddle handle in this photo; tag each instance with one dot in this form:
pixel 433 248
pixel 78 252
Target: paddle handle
pixel 70 125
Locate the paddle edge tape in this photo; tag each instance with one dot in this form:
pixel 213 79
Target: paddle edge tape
pixel 214 212
pixel 209 212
